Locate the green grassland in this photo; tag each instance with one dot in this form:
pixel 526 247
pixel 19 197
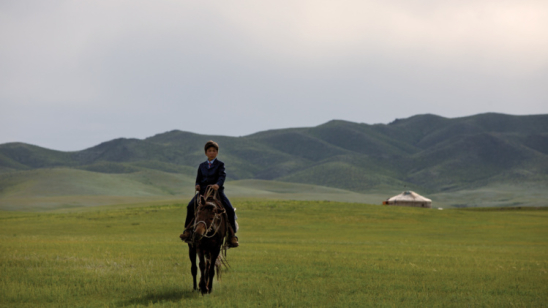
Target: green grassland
pixel 293 253
pixel 52 188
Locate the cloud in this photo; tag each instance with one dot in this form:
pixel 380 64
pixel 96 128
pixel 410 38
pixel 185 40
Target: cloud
pixel 135 68
pixel 431 31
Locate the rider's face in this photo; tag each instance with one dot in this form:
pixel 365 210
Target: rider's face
pixel 211 153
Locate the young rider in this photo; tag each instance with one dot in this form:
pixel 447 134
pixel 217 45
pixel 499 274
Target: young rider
pixel 211 173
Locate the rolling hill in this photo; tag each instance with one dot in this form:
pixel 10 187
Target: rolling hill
pixel 427 153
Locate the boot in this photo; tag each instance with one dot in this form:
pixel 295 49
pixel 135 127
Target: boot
pixel 233 239
pixel 186 236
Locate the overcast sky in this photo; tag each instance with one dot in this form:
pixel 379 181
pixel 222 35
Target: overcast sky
pixel 76 73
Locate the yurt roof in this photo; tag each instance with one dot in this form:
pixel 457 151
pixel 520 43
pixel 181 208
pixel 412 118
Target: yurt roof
pixel 409 196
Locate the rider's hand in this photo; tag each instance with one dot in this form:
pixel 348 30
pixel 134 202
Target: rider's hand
pixel 216 187
pixel 197 187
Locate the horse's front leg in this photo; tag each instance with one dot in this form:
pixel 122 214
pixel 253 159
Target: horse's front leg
pixel 203 283
pixel 213 261
pixel 193 267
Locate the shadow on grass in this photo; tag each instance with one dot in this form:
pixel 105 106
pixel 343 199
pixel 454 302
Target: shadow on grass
pixel 167 296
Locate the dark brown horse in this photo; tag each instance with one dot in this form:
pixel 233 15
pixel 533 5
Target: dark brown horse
pixel 210 231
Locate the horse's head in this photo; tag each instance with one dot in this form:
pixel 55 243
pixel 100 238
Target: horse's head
pixel 206 217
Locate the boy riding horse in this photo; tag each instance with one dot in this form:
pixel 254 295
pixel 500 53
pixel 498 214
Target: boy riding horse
pixel 211 173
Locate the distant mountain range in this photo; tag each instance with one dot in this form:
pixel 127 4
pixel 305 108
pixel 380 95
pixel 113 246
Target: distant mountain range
pixel 427 153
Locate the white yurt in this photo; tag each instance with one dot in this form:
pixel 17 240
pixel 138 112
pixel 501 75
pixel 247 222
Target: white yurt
pixel 409 198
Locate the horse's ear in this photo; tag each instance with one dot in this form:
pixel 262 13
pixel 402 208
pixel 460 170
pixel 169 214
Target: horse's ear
pixel 202 200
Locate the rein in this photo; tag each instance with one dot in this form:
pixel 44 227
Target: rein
pixel 209 192
pixel 208 229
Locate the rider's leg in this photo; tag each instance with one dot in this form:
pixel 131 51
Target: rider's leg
pixel 233 240
pixel 189 217
pixel 229 211
pixel 189 212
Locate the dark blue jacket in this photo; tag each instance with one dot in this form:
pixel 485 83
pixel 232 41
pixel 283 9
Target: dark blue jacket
pixel 211 176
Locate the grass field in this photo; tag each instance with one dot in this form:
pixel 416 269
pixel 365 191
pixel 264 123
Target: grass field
pixel 293 253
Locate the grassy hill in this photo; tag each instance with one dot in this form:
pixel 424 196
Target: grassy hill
pixel 427 153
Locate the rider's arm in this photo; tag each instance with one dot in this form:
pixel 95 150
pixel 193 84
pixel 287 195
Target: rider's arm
pixel 222 175
pixel 199 178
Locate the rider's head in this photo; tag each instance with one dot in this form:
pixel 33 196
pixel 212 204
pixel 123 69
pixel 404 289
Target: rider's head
pixel 211 144
pixel 211 149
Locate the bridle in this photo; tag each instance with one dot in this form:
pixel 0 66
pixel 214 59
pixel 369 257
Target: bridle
pixel 217 217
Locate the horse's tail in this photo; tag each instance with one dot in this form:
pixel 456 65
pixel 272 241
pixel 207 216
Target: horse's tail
pixel 222 261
